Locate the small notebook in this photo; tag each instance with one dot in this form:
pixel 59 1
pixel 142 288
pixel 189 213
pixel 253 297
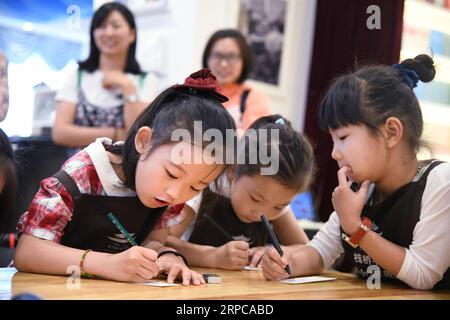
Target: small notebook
pixel 155 283
pixel 306 280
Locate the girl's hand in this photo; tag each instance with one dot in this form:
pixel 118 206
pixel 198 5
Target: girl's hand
pixel 349 204
pixel 256 255
pixel 137 264
pixel 116 79
pixel 232 256
pixel 273 264
pixel 175 266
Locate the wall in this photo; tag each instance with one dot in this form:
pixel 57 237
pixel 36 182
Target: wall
pixel 289 98
pixel 171 42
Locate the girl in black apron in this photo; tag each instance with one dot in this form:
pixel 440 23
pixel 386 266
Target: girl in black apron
pixel 227 221
pixel 399 230
pixel 145 165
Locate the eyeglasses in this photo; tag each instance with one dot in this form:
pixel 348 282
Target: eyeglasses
pixel 230 58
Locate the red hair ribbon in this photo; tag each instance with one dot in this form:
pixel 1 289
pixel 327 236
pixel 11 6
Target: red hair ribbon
pixel 204 80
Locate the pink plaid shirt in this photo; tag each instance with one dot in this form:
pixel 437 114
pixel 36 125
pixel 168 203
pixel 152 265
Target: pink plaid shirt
pixel 52 206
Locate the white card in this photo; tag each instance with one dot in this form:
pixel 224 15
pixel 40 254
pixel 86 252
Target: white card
pixel 155 283
pixel 250 268
pixel 306 280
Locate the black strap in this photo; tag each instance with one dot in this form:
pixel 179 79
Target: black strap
pixel 68 182
pixel 431 166
pixel 176 253
pixel 244 101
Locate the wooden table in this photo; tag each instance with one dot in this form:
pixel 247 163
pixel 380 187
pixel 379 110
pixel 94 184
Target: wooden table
pixel 235 285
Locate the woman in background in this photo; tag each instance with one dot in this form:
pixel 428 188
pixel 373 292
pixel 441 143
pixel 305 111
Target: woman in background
pixel 109 90
pixel 229 58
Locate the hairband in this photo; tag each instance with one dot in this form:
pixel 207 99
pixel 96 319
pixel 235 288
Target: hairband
pixel 204 81
pixel 411 77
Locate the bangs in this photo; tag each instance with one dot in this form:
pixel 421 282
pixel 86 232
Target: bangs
pixel 341 105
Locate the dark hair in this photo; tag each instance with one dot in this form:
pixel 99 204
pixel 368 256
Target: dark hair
pixel 8 196
pixel 372 94
pixel 174 108
pixel 246 52
pixel 92 62
pixel 296 159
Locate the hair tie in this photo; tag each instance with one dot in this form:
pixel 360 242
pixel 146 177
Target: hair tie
pixel 204 81
pixel 411 77
pixel 280 121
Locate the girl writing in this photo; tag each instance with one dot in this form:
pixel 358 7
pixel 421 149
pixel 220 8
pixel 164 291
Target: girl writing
pixel 246 193
pixel 397 223
pixel 67 222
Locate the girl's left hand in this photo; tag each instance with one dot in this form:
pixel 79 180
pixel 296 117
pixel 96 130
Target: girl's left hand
pixel 256 254
pixel 349 204
pixel 174 266
pixel 116 79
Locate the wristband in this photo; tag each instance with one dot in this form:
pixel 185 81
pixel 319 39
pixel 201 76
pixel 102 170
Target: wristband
pixel 175 253
pixel 82 271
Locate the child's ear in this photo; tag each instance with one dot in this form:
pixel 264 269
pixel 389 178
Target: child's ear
pixel 392 131
pixel 143 139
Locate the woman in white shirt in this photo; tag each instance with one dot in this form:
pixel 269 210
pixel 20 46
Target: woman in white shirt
pixel 109 90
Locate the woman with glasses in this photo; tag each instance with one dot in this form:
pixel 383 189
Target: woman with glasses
pixel 229 58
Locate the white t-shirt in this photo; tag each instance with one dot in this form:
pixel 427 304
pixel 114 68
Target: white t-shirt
pixel 97 95
pixel 428 256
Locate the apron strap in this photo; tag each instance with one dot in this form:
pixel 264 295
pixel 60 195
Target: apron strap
pixel 68 182
pixel 244 101
pixel 79 76
pixel 431 166
pixel 141 79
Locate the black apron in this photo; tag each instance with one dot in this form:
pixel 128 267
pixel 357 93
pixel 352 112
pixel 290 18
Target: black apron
pixel 394 219
pixel 90 228
pixel 220 210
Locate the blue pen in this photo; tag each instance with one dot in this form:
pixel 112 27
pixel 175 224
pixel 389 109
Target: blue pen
pixel 121 229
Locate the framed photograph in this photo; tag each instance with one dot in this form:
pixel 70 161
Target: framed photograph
pixel 145 7
pixel 263 23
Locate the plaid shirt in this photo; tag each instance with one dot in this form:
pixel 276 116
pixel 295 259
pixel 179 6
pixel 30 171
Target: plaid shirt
pixel 52 206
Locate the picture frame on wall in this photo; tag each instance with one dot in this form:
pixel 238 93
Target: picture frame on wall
pixel 146 7
pixel 263 23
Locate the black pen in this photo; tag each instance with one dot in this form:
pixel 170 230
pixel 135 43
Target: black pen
pixel 218 227
pixel 274 239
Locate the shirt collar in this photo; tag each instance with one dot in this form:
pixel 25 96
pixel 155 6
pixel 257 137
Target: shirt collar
pixel 111 183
